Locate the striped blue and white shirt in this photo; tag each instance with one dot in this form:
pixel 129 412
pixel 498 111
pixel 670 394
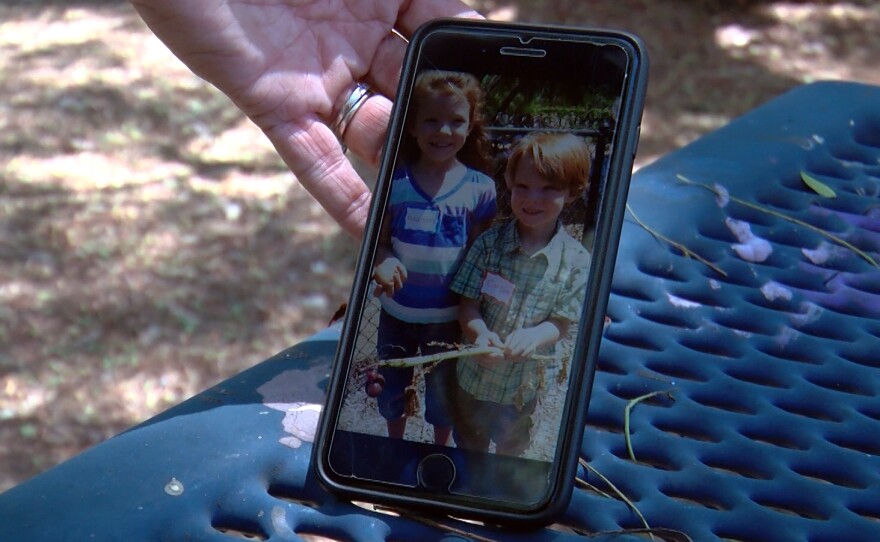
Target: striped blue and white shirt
pixel 430 238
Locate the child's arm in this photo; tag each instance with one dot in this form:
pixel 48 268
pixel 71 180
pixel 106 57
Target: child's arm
pixel 478 228
pixel 476 331
pixel 389 273
pixel 522 343
pixel 483 214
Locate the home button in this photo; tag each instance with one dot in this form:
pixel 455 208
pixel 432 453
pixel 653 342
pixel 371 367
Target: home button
pixel 436 473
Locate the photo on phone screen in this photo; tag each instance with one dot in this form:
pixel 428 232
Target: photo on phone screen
pixel 468 325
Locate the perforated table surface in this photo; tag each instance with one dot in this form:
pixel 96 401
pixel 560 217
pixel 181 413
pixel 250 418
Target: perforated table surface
pixel 744 343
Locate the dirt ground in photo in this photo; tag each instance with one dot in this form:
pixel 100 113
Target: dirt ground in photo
pixel 360 413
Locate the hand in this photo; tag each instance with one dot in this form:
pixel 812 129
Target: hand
pixel 290 65
pixel 490 339
pixel 389 276
pixel 522 343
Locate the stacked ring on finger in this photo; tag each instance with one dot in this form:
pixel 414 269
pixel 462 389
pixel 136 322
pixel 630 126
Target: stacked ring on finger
pixel 359 95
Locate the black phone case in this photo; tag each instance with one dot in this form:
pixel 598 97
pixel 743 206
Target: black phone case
pixel 608 227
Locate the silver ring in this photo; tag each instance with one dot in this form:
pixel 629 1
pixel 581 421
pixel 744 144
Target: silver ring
pixel 356 99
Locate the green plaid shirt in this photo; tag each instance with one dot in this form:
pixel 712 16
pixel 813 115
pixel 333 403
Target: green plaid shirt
pixel 550 283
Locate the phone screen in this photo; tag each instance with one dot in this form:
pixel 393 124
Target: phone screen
pixel 465 355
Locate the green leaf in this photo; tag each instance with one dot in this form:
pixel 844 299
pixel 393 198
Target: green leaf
pixel 818 186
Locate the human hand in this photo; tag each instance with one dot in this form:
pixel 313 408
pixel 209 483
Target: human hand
pixel 490 339
pixel 389 275
pixel 290 66
pixel 522 343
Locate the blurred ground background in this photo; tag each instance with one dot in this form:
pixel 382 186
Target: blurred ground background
pixel 152 244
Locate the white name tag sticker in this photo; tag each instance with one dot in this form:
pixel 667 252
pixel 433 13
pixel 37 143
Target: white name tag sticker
pixel 422 220
pixel 498 288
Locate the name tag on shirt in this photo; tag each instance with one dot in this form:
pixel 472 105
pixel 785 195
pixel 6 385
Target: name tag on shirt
pixel 497 287
pixel 427 220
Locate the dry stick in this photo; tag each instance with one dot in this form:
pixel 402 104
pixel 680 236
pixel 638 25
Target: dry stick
pixel 619 493
pixel 783 216
pixel 688 253
pixel 587 485
pixel 626 413
pixel 450 354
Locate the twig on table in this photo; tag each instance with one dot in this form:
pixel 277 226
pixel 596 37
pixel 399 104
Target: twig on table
pixel 626 415
pixel 783 216
pixel 688 253
pixel 618 492
pixel 587 485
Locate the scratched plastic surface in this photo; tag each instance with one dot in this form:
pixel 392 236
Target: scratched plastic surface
pixel 749 368
pixel 230 464
pixel 765 357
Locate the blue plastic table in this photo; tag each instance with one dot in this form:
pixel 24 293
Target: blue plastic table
pixel 743 355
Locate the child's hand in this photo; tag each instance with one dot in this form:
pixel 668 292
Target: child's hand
pixel 490 339
pixel 522 343
pixel 389 276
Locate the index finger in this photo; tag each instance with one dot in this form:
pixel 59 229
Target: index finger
pixel 313 154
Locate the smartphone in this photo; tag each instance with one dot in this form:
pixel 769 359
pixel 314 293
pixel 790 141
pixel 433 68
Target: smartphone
pixel 464 368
